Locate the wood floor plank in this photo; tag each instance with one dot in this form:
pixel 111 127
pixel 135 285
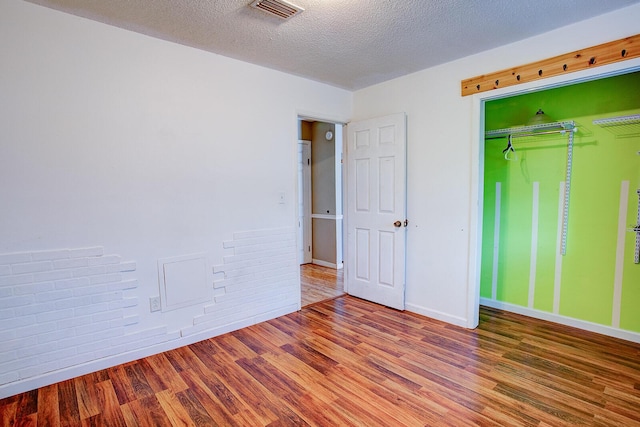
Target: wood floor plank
pixel 255 398
pixel 138 381
pixel 175 412
pixel 48 406
pixel 121 385
pixel 30 420
pixel 148 412
pixel 68 403
pixel 169 376
pixel 348 362
pixel 8 409
pixel 87 397
pixel 320 283
pixel 217 410
pixel 109 404
pixel 197 413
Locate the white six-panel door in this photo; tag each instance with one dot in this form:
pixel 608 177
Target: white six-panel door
pixel 376 210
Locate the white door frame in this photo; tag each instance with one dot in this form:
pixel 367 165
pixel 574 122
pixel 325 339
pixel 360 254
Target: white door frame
pixel 477 162
pixel 341 123
pixel 305 235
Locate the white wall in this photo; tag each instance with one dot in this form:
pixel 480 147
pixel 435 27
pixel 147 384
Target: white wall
pixel 117 148
pixel 443 157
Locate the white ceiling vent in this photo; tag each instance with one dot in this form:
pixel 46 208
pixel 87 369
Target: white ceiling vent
pixel 280 8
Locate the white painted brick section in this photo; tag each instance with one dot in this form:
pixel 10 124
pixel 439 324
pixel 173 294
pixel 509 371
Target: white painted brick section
pixel 31 267
pixel 121 268
pixel 13 280
pixel 73 283
pixel 34 288
pixel 259 278
pixel 106 278
pixel 50 255
pixel 52 275
pixel 54 295
pixel 104 260
pixel 67 307
pixel 71 263
pixel 12 302
pixel 59 308
pixel 86 252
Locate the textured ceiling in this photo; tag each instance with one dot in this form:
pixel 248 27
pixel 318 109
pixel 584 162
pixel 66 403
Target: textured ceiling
pixel 346 43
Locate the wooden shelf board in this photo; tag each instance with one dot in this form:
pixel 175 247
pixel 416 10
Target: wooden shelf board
pixel 595 56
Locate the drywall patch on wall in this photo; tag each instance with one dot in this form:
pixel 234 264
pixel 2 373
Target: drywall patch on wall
pixel 66 307
pixel 260 277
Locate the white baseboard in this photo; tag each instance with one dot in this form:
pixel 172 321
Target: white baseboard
pixel 563 320
pixel 437 315
pixel 324 263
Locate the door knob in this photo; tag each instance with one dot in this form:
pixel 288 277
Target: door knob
pixel 397 224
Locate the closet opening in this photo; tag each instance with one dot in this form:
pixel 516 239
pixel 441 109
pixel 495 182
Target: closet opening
pixel 559 218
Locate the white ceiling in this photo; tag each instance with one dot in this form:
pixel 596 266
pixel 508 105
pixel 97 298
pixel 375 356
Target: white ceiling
pixel 346 43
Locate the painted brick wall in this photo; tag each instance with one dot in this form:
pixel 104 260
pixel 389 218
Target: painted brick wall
pixel 261 273
pixel 66 307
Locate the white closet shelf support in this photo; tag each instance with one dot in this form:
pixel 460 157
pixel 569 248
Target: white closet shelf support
pixel 636 230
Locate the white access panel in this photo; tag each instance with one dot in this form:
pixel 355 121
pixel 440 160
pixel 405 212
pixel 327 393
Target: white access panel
pixel 184 281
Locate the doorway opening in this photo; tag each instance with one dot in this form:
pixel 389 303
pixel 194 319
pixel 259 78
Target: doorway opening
pixel 320 214
pixel 545 254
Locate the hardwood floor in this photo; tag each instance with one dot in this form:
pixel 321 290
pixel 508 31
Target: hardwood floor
pixel 349 362
pixel 320 283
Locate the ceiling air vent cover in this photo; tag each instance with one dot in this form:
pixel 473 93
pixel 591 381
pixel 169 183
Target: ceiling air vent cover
pixel 280 8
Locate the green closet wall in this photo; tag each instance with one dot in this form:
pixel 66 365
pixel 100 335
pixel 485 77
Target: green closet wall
pixel 582 283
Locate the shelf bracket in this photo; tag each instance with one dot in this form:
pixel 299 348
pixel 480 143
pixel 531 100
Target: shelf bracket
pixel 636 229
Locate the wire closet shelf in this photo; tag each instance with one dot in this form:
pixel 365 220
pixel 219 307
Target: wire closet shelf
pixel 533 130
pixel 626 126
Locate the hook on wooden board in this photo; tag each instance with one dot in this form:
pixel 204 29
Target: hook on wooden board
pixel 607 53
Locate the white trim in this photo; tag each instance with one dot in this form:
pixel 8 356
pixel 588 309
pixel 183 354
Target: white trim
pixel 438 315
pixel 496 242
pixel 557 280
pixel 622 235
pixel 534 243
pixel 324 263
pixel 303 190
pixel 563 320
pixel 325 216
pixel 476 215
pixel 319 117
